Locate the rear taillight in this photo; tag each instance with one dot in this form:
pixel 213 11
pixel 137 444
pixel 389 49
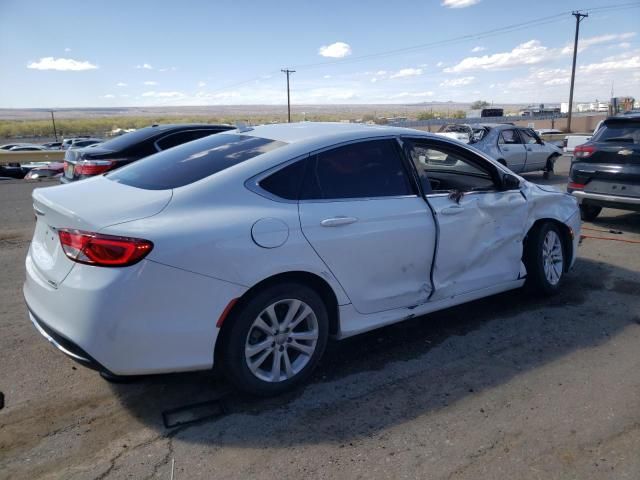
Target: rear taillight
pixel 575 186
pixel 103 250
pixel 92 167
pixel 584 151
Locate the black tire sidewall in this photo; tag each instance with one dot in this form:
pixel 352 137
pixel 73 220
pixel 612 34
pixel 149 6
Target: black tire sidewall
pixel 536 278
pixel 589 212
pixel 233 357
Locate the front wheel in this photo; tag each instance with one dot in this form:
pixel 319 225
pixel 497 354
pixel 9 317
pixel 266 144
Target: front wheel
pixel 544 258
pixel 276 339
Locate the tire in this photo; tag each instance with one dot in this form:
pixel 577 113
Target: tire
pixel 545 258
pixel 248 341
pixel 589 213
pixel 548 169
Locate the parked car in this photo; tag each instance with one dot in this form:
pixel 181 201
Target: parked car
pixel 52 145
pixel 605 171
pixel 251 247
pixel 53 169
pixel 518 148
pixel 84 142
pixel 127 148
pixel 67 142
pixel 27 148
pixel 13 170
pixel 9 146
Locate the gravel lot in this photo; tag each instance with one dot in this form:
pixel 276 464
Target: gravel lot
pixel 509 387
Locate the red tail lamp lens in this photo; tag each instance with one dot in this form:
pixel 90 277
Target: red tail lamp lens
pixel 584 151
pixel 103 250
pixel 576 186
pixel 93 167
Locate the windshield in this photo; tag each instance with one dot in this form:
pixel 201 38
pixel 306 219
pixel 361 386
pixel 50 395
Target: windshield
pixel 192 161
pixel 626 132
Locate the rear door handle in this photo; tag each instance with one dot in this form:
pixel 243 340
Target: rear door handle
pixel 338 221
pixel 451 210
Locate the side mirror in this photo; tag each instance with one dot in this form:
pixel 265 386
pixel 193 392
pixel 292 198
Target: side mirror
pixel 510 182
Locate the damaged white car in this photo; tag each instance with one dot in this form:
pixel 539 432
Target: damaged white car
pixel 250 248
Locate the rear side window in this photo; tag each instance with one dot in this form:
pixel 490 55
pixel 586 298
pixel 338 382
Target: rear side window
pixel 509 137
pixel 285 183
pixel 623 132
pixel 528 137
pixel 193 161
pixel 359 170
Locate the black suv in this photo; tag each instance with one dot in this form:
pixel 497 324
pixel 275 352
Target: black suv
pixel 119 151
pixel 605 171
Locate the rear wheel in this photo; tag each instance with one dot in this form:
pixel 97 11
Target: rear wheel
pixel 548 169
pixel 589 213
pixel 276 339
pixel 544 258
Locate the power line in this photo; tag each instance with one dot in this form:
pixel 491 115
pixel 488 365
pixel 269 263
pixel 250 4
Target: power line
pixel 561 16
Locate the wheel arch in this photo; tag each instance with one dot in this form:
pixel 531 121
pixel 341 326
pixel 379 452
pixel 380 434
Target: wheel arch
pixel 567 238
pixel 311 280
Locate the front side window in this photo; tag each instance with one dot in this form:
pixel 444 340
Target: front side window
pixel 360 170
pixel 193 161
pixel 442 169
pixel 509 137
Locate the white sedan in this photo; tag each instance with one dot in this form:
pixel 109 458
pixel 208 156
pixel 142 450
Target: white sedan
pixel 250 248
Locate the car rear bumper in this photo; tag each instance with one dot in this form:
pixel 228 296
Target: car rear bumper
pixel 147 318
pixel 603 200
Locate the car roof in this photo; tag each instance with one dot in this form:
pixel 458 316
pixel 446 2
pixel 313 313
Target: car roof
pixel 306 132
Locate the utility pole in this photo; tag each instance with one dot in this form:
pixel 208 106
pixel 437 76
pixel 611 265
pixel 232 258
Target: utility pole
pixel 287 71
pixel 55 133
pixel 579 17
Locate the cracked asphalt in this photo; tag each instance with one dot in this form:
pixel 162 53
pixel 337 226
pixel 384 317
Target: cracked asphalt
pixel 506 387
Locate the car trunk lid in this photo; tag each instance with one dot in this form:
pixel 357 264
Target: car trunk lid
pixel 89 205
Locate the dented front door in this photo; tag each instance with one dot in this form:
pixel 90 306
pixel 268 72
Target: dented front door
pixel 480 240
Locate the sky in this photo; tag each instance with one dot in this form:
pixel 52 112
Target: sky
pixel 66 53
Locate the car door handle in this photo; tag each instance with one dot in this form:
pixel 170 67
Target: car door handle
pixel 338 221
pixel 451 210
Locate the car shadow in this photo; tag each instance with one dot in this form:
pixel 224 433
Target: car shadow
pixel 386 377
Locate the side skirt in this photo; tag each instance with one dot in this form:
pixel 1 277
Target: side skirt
pixel 354 323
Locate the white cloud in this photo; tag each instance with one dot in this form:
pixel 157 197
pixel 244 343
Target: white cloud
pixel 624 45
pixel 439 64
pixel 121 84
pixel 61 64
pixel 611 64
pixel 163 94
pixel 326 76
pixel 150 83
pixel 67 49
pixel 335 50
pixel 457 82
pixel 381 72
pixel 202 84
pixel 585 43
pixel 458 3
pixel 407 72
pixel 144 66
pixel 109 95
pixel 125 95
pixel 477 49
pixel 527 53
pixel 374 80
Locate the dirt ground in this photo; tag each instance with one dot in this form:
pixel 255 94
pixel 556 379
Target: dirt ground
pixel 508 387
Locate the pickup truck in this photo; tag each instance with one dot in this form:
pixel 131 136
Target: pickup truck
pixel 572 141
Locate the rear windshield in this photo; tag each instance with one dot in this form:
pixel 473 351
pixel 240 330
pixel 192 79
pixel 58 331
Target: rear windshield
pixel 131 138
pixel 193 161
pixel 624 132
